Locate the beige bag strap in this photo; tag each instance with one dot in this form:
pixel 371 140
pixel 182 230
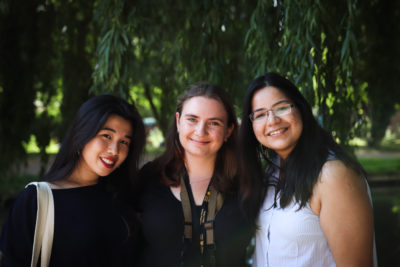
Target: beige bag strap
pixel 44 229
pixel 215 202
pixel 214 205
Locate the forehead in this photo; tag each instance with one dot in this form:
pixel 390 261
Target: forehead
pixel 266 97
pixel 118 124
pixel 204 107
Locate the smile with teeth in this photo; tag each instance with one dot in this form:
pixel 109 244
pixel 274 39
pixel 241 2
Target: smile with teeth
pixel 108 162
pixel 277 132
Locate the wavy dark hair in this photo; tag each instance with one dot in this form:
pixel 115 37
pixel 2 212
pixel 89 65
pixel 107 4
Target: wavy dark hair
pixel 301 168
pixel 88 121
pixel 170 165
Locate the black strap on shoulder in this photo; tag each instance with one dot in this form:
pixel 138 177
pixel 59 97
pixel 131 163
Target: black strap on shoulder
pixel 187 211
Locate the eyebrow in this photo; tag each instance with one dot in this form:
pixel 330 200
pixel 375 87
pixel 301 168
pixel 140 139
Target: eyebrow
pixel 277 103
pixel 112 130
pixel 212 119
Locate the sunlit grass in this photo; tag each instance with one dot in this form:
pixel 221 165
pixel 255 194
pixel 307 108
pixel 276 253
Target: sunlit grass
pixel 381 165
pixel 390 145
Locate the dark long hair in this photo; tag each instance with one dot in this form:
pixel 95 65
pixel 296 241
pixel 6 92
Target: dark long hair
pixel 170 165
pixel 303 165
pixel 88 121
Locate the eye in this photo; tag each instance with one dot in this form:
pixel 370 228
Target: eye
pixel 106 136
pixel 282 110
pixel 125 142
pixel 215 123
pixel 191 119
pixel 259 115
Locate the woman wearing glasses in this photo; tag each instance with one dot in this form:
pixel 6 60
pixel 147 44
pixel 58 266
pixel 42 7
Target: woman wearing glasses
pixel 312 205
pixel 190 211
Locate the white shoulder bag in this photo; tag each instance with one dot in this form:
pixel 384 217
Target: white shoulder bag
pixel 44 229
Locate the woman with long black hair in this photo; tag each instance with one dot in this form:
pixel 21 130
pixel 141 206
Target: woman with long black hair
pixel 312 205
pixel 90 180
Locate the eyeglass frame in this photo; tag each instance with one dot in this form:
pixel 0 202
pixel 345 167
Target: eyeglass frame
pixel 251 115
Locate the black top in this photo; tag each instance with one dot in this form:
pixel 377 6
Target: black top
pixel 88 229
pixel 162 225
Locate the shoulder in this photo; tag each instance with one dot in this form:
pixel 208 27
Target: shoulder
pixel 27 195
pixel 150 171
pixel 335 173
pixel 155 172
pixel 150 183
pixel 24 206
pixel 338 183
pixel 340 198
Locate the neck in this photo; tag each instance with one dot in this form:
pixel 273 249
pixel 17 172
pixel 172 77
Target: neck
pixel 79 181
pixel 200 169
pixel 81 178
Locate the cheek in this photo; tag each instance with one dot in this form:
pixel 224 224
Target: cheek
pixel 259 134
pixel 93 147
pixel 258 130
pixel 299 132
pixel 181 135
pixel 298 126
pixel 219 134
pixel 124 151
pixel 123 154
pixel 98 143
pixel 185 131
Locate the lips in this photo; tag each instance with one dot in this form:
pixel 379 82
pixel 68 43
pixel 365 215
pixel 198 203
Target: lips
pixel 277 132
pixel 108 162
pixel 199 141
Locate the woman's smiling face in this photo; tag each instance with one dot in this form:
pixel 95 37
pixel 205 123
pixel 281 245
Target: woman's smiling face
pixel 202 126
pixel 280 134
pixel 108 149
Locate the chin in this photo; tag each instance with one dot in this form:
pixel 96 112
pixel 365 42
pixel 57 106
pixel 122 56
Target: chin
pixel 105 173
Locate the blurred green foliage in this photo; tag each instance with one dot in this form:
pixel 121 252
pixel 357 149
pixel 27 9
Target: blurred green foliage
pixel 56 54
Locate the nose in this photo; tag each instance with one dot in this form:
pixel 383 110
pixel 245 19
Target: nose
pixel 201 128
pixel 113 148
pixel 271 118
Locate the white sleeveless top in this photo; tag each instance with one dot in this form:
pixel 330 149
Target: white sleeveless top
pixel 290 237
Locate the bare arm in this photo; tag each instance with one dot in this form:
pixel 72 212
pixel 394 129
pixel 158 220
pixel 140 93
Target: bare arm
pixel 341 200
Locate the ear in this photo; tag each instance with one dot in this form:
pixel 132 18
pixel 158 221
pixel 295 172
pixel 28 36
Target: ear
pixel 177 118
pixel 229 132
